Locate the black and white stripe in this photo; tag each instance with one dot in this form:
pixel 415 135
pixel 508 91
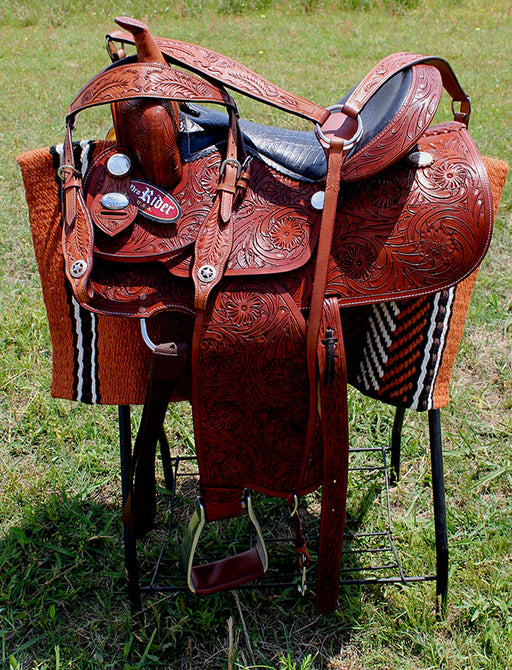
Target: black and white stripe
pixel 378 338
pixel 434 347
pixel 379 334
pixel 86 386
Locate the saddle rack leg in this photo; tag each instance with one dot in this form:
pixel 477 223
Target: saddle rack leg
pixel 438 494
pixel 396 444
pixel 130 544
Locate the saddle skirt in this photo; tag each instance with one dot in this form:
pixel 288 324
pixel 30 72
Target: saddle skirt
pixel 411 230
pixel 258 236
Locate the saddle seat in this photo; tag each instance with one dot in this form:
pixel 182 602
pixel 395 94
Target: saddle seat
pixel 295 153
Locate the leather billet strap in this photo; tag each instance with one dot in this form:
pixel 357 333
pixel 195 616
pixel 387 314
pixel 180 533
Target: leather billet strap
pixel 332 382
pixel 338 150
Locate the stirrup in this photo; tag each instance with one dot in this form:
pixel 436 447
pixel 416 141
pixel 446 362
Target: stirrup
pixel 225 573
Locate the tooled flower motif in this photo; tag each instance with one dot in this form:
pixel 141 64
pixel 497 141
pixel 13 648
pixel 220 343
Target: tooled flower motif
pixel 243 309
pixel 279 372
pixel 437 244
pixel 385 193
pixel 226 417
pixel 237 466
pixel 450 176
pixel 286 233
pixel 358 260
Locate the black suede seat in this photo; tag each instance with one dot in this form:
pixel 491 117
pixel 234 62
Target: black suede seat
pixel 296 153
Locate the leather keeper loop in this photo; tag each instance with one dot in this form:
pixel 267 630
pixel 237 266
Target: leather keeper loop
pixel 221 503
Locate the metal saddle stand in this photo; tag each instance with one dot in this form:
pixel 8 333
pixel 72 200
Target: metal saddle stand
pixel 386 461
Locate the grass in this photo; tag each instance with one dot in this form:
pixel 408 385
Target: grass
pixel 62 592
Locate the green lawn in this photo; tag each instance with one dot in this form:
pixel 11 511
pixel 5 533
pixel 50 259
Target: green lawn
pixel 63 600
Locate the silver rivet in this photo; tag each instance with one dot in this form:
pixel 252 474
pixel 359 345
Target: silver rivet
pixel 115 201
pixel 118 165
pixel 78 269
pixel 317 200
pixel 207 273
pixel 421 158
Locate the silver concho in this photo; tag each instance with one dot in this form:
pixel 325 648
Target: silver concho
pixel 207 273
pixel 78 269
pixel 317 200
pixel 421 158
pixel 115 201
pixel 118 165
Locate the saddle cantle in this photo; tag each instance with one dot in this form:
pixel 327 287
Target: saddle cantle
pixel 258 236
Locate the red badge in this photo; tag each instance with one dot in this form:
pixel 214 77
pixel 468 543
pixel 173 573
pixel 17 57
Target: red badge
pixel 153 203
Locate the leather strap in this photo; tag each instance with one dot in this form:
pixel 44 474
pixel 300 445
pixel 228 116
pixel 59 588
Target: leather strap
pixel 77 229
pixel 224 70
pixel 395 63
pixel 167 364
pixel 215 237
pixel 334 411
pixel 128 81
pixel 338 151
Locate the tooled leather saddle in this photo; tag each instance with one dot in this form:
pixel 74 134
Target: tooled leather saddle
pixel 257 236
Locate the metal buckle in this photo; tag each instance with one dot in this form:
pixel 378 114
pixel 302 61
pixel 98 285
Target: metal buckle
pixel 114 53
pixel 230 161
pixel 61 171
pixel 351 141
pixel 464 114
pixel 195 528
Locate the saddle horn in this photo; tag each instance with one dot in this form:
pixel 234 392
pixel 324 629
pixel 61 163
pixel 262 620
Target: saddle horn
pixel 149 128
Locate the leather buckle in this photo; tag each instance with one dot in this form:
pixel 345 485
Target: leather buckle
pixel 464 110
pixel 225 573
pixel 230 161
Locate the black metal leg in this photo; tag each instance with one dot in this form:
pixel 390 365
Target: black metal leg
pixel 436 452
pixel 167 463
pixel 396 438
pixel 130 545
